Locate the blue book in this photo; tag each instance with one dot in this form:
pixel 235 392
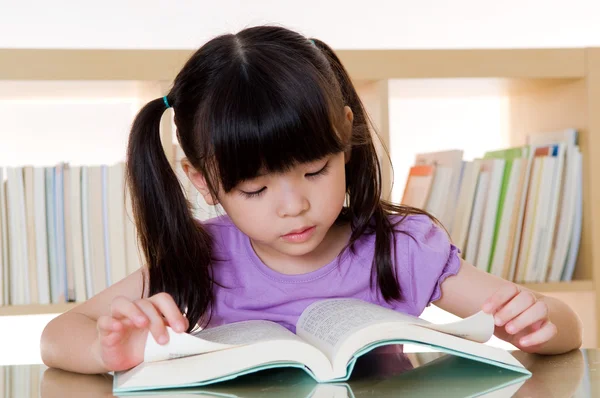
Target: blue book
pixel 330 336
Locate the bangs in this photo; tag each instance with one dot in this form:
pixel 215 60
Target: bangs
pixel 269 122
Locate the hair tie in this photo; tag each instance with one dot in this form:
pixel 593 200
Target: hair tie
pixel 166 101
pixel 313 42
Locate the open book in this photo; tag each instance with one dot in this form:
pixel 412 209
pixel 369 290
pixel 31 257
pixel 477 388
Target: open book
pixel 330 336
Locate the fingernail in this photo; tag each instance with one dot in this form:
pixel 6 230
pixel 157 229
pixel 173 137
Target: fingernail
pixel 524 342
pixel 140 320
pixel 497 321
pixel 163 339
pixel 510 329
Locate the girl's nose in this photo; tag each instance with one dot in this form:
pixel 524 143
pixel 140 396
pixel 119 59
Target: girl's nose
pixel 293 204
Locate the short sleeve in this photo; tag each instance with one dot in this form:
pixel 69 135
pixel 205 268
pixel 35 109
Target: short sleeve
pixel 425 257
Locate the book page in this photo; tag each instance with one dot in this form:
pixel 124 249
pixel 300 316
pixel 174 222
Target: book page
pixel 327 323
pixel 215 339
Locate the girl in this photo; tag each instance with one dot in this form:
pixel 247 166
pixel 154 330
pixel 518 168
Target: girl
pixel 274 132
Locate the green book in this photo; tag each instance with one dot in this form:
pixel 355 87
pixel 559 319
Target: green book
pixel 508 155
pixel 330 336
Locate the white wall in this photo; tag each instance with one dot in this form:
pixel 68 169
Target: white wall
pixel 429 115
pixel 344 24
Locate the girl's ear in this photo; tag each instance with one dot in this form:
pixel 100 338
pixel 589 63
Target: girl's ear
pixel 199 181
pixel 348 120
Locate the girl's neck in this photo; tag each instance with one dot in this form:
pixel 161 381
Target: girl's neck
pixel 335 240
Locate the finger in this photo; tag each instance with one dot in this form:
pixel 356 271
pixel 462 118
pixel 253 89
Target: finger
pixel 121 307
pixel 500 298
pixel 515 307
pixel 112 339
pixel 532 315
pixel 107 325
pixel 157 324
pixel 166 305
pixel 540 336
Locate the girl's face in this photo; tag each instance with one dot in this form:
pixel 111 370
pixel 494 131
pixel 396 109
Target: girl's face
pixel 289 213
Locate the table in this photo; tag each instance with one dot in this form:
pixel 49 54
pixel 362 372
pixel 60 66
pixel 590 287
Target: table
pixel 428 374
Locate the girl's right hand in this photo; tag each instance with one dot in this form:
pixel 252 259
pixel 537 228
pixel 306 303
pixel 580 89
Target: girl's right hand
pixel 122 335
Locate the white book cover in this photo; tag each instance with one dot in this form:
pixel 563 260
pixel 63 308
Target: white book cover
pixel 31 265
pixel 59 230
pixel 55 294
pixel 68 227
pixel 77 250
pixel 18 237
pixel 462 217
pixel 438 197
pixel 496 167
pixel 86 234
pixel 41 237
pixel 472 244
pixel 575 240
pixel 105 226
pixel 541 221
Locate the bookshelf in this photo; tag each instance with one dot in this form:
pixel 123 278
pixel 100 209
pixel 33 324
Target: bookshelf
pixel 548 89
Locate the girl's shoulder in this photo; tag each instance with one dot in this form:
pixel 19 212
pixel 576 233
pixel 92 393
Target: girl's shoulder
pixel 422 230
pixel 419 236
pixel 424 257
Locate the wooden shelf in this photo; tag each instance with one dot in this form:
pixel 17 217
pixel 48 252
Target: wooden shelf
pixel 163 65
pixel 35 309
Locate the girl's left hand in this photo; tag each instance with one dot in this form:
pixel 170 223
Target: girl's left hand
pixel 520 317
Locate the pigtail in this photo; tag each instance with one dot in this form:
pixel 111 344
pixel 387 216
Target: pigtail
pixel 176 248
pixel 368 212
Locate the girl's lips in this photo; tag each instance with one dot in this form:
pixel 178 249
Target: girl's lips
pixel 299 235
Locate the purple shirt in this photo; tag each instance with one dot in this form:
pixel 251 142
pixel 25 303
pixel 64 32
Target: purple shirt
pixel 251 290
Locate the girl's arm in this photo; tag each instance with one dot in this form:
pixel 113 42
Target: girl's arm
pixel 530 321
pixel 70 341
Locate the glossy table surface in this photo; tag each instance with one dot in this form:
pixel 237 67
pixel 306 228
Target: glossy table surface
pixel 576 374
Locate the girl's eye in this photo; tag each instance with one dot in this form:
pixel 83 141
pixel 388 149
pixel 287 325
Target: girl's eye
pixel 253 194
pixel 323 171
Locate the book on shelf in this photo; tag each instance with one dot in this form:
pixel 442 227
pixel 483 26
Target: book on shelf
pixel 518 211
pixel 64 232
pixel 330 336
